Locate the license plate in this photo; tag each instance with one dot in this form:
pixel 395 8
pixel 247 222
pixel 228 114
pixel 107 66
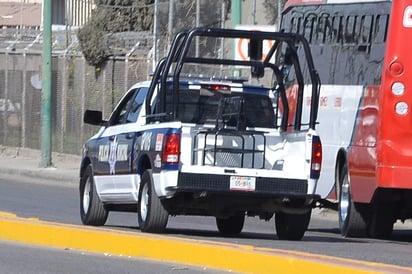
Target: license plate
pixel 242 183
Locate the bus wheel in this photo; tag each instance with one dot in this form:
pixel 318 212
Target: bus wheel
pixel 232 225
pixel 291 226
pixel 381 224
pixel 151 214
pixel 351 223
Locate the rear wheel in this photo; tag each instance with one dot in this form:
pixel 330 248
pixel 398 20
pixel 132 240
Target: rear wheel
pixel 232 225
pixel 151 214
pixel 351 222
pixel 291 226
pixel 92 211
pixel 381 224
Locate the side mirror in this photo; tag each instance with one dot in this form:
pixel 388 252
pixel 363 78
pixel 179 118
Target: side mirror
pixel 256 54
pixel 255 49
pixel 257 71
pixel 93 117
pixel 288 57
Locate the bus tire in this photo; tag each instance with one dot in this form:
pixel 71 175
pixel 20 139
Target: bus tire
pixel 351 222
pixel 381 224
pixel 291 226
pixel 92 210
pixel 232 225
pixel 152 216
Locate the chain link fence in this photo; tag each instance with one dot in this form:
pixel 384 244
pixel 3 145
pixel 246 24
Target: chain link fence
pixel 76 87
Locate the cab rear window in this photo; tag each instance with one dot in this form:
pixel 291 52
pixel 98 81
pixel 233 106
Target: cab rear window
pixel 230 109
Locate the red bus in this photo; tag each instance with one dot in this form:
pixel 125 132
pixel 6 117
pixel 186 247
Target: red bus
pixel 362 51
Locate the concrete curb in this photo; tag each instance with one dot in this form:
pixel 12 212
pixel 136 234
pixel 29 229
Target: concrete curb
pixel 224 256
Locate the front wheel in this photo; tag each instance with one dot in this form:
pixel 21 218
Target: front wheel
pixel 291 226
pixel 232 225
pixel 351 222
pixel 92 210
pixel 151 214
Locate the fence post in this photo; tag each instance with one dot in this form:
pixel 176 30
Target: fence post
pixel 23 101
pixel 63 114
pixel 83 99
pixel 6 95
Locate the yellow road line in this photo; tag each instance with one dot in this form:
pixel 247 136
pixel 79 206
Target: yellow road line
pixel 225 256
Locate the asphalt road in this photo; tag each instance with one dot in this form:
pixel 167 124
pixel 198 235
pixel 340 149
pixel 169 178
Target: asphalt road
pixel 29 259
pixel 52 202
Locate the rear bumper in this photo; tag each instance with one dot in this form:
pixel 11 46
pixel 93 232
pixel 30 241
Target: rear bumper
pixel 221 183
pixel 211 194
pixel 215 194
pixel 365 185
pixel 395 177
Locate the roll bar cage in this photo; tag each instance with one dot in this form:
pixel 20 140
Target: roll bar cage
pixel 178 55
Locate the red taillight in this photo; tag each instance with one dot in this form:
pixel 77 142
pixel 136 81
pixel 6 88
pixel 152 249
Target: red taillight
pixel 316 159
pixel 396 68
pixel 214 87
pixel 171 149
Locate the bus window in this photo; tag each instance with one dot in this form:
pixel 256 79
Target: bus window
pixel 335 28
pixel 295 24
pixel 365 30
pixel 350 35
pixel 381 28
pixel 324 28
pixel 309 25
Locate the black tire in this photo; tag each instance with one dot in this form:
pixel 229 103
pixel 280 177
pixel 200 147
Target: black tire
pixel 291 227
pixel 92 210
pixel 151 214
pixel 351 222
pixel 232 225
pixel 381 224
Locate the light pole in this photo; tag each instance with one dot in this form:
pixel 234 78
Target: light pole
pixel 46 133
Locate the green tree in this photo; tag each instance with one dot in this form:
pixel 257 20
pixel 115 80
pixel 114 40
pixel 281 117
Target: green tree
pixel 112 16
pixel 271 7
pixel 185 17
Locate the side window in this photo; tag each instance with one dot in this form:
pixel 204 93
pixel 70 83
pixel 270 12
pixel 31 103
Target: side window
pixel 120 113
pixel 136 105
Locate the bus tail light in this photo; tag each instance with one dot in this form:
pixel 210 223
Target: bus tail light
pixel 396 68
pixel 398 89
pixel 316 159
pixel 171 149
pixel 401 108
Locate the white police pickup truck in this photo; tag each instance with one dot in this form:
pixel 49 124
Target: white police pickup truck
pixel 216 145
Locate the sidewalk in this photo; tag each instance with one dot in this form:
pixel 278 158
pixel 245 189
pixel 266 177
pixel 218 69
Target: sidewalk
pixel 25 162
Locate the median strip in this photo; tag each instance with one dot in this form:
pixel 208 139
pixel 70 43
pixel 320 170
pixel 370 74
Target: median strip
pixel 224 256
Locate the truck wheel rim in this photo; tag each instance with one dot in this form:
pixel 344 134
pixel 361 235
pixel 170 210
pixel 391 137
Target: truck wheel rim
pixel 86 196
pixel 144 203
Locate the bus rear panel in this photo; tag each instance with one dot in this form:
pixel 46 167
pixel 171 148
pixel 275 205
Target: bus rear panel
pixel 361 50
